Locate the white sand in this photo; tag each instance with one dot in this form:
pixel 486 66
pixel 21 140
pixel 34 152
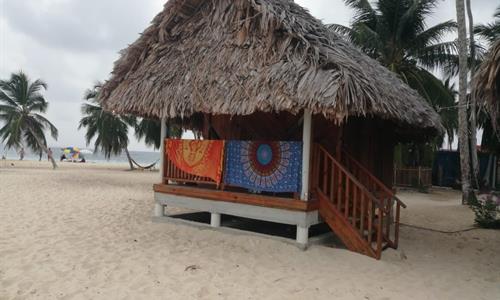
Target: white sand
pixel 85 232
pixel 438 210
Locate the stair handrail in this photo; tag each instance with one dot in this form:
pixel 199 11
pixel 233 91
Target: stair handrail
pixel 351 176
pixel 368 197
pixel 374 178
pixel 369 187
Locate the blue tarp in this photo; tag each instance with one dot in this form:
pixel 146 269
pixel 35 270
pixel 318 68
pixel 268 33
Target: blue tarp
pixel 446 168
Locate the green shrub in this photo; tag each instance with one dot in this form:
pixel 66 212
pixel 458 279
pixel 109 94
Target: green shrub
pixel 486 210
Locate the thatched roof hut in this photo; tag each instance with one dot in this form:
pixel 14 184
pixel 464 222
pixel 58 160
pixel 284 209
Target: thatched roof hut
pixel 238 57
pixel 487 81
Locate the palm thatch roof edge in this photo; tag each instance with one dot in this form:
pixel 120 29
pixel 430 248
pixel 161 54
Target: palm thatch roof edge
pixel 241 56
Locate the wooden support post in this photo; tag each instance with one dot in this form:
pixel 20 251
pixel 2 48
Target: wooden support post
pixel 339 147
pixel 163 135
pixel 306 154
pixel 159 210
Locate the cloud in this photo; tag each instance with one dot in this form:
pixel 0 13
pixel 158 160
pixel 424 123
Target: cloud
pixel 328 11
pixel 83 26
pixel 70 44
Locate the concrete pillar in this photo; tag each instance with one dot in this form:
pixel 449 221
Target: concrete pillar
pixel 302 237
pixel 306 154
pixel 215 219
pixel 159 210
pixel 163 135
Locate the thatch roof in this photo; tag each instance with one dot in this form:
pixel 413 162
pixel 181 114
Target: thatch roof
pixel 487 81
pixel 241 56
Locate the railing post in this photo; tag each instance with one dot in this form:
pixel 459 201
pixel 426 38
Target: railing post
pixel 396 226
pixel 379 235
pixel 387 204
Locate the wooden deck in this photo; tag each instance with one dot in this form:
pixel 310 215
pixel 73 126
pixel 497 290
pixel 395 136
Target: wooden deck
pixel 362 211
pixel 236 197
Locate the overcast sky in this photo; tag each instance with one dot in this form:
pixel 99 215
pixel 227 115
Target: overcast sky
pixel 73 43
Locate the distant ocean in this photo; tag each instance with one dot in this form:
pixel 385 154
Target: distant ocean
pixel 142 157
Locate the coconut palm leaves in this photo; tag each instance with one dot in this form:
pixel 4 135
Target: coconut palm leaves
pixel 150 130
pixel 395 33
pixel 109 130
pixel 491 31
pixel 487 79
pixel 22 106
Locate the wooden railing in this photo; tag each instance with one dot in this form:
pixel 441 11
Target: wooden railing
pixel 381 192
pixel 349 197
pixel 417 177
pixel 172 173
pixel 369 215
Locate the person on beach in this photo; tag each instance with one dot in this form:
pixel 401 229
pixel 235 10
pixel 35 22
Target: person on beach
pixel 49 154
pixel 63 157
pixel 21 154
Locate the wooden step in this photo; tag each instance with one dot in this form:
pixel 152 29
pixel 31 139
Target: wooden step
pixel 343 228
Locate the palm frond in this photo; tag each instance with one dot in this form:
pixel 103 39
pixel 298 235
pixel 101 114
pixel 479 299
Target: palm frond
pixel 414 15
pixel 490 31
pixel 109 131
pixel 150 130
pixel 433 35
pixel 344 31
pixel 437 55
pixel 364 12
pixel 45 123
pixel 36 87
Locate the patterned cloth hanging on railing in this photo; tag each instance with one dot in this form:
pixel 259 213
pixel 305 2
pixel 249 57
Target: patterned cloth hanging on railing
pixel 198 157
pixel 264 166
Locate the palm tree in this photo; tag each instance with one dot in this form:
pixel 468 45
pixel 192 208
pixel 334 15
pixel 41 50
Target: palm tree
pixel 463 124
pixel 109 130
pixel 394 32
pixel 491 31
pixel 473 105
pixel 150 130
pixel 487 82
pixel 21 107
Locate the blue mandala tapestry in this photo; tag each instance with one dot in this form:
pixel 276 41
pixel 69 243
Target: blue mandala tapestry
pixel 264 166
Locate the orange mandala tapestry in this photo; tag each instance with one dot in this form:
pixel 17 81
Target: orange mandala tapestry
pixel 202 158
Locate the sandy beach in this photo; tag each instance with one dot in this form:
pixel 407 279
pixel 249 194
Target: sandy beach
pixel 85 232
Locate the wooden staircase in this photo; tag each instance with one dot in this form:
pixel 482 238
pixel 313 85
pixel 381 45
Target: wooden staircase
pixel 357 206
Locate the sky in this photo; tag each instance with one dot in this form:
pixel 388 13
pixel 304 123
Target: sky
pixel 71 44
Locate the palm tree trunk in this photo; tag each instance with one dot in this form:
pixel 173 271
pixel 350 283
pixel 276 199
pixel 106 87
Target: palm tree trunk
pixel 473 113
pixel 463 130
pixel 45 149
pixel 129 159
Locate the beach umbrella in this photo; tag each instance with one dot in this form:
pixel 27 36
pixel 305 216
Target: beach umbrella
pixel 74 152
pixel 71 150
